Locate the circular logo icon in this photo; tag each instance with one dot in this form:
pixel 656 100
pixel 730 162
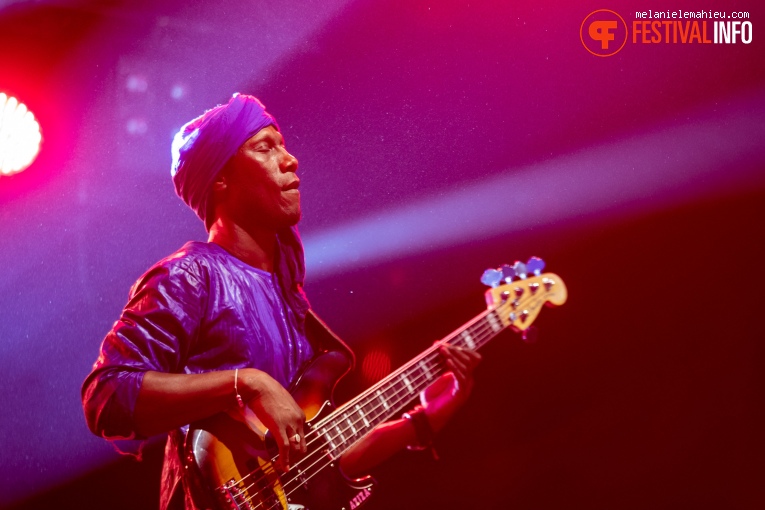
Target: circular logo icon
pixel 603 33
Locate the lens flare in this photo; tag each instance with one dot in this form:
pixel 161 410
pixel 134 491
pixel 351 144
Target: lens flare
pixel 20 136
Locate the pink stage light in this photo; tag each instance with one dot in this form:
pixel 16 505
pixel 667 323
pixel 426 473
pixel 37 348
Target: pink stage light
pixel 20 136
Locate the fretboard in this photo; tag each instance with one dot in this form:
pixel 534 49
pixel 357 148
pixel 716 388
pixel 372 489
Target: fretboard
pixel 350 422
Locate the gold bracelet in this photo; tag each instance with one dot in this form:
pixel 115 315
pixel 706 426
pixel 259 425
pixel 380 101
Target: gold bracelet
pixel 236 389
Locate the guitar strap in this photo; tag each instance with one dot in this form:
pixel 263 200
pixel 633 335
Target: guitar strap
pixel 323 339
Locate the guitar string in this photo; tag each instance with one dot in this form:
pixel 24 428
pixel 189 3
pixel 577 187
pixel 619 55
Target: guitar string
pixel 391 377
pixel 317 455
pixel 481 330
pixel 418 379
pixel 288 490
pixel 367 393
pixel 396 401
pixel 521 302
pixel 428 356
pixel 287 486
pixel 303 480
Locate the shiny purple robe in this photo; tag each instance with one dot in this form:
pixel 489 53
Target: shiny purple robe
pixel 198 310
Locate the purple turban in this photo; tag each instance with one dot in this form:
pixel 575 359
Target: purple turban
pixel 203 146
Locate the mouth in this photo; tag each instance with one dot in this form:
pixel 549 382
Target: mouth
pixel 292 186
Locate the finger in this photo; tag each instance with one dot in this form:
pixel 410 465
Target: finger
pixel 458 360
pixel 474 357
pixel 302 445
pixel 451 352
pixel 466 356
pixel 458 372
pixel 282 441
pixel 295 438
pixel 455 365
pixel 469 358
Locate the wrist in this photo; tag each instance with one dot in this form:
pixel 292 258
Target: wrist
pixel 251 383
pixel 422 428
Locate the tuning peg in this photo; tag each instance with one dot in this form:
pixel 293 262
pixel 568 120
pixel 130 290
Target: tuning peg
pixel 491 277
pixel 520 269
pixel 530 334
pixel 508 273
pixel 535 265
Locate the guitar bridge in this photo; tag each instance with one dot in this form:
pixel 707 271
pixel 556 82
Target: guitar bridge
pixel 232 496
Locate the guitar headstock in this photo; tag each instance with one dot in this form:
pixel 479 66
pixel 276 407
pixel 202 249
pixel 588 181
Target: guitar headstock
pixel 518 292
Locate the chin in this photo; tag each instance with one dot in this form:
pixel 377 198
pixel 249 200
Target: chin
pixel 295 215
pixel 295 220
pixel 289 219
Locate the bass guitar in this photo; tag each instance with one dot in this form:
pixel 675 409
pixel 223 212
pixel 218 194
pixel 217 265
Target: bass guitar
pixel 230 461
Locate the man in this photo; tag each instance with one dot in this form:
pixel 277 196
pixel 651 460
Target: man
pixel 224 324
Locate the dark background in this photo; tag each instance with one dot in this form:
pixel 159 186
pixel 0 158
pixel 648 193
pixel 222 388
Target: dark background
pixel 435 140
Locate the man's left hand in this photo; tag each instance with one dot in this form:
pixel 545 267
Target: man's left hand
pixel 447 393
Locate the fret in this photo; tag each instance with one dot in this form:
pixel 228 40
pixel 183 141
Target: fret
pixel 328 439
pixel 339 433
pixel 361 413
pixel 421 376
pixel 395 387
pixel 383 401
pixel 437 367
pixel 370 409
pixel 408 383
pixel 491 318
pixel 468 338
pixel 425 370
pixel 350 424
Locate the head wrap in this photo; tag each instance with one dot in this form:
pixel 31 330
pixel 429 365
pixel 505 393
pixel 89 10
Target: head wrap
pixel 203 146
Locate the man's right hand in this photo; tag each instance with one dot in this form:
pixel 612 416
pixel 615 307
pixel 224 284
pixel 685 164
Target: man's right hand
pixel 278 411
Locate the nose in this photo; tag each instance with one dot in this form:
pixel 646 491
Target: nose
pixel 289 162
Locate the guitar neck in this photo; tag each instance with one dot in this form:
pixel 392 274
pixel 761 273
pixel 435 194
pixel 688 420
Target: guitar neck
pixel 350 422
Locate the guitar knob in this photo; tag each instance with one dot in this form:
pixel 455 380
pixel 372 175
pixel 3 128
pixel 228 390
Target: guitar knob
pixel 491 278
pixel 535 265
pixel 508 273
pixel 520 269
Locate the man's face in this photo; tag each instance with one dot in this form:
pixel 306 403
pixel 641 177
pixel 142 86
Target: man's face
pixel 262 185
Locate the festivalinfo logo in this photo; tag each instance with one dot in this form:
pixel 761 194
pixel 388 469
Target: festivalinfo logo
pixel 604 32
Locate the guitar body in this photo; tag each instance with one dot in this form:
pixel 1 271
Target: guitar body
pixel 229 462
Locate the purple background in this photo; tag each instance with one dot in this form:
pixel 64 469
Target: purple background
pixel 435 139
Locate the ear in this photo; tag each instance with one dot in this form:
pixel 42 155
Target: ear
pixel 217 194
pixel 218 190
pixel 220 183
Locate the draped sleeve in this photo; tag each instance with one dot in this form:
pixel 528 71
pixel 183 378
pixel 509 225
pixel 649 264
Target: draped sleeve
pixel 156 330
